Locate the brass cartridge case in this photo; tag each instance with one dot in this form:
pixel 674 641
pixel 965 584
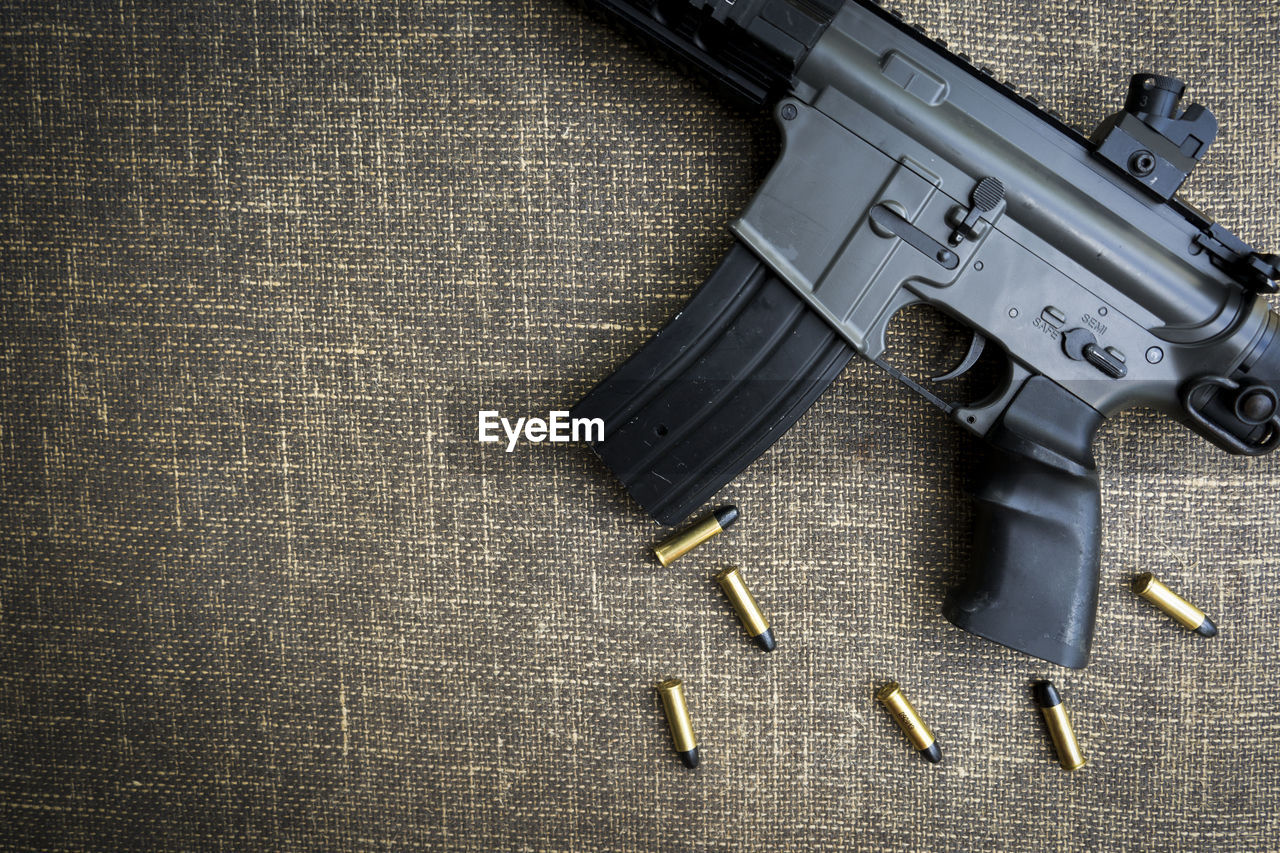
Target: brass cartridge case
pixel 676 708
pixel 909 720
pixel 748 610
pixel 1183 612
pixel 685 541
pixel 1055 717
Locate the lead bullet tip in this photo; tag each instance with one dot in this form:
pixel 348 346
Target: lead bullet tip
pixel 726 515
pixel 1046 694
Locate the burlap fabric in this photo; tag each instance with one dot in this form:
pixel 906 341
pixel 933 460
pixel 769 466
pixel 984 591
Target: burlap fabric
pixel 263 589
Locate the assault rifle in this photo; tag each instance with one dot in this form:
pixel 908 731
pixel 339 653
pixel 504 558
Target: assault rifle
pixel 908 175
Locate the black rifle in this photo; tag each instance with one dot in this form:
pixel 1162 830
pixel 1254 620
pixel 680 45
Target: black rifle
pixel 910 176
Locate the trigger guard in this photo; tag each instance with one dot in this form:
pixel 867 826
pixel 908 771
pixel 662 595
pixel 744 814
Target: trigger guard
pixel 982 416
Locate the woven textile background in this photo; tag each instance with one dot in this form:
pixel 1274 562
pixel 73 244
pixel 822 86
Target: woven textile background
pixel 262 588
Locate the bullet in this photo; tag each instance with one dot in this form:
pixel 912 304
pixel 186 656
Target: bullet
pixel 682 543
pixel 909 721
pixel 677 710
pixel 1184 612
pixel 753 619
pixel 1055 717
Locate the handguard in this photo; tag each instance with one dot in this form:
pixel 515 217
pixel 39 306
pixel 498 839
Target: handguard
pixel 1037 506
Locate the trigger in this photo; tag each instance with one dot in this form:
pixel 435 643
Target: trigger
pixel 970 359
